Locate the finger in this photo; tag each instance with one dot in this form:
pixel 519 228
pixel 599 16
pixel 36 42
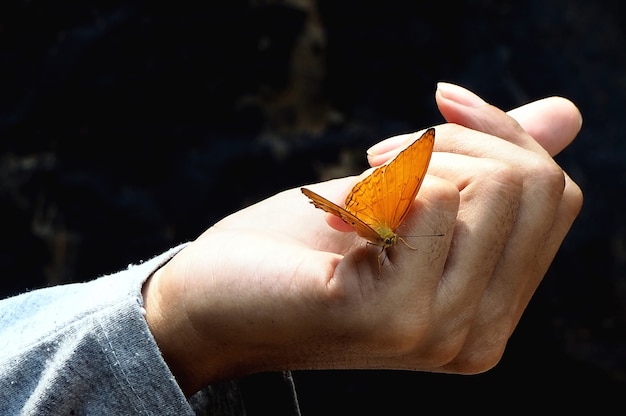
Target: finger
pixel 460 106
pixel 568 210
pixel 386 149
pixel 535 238
pixel 482 117
pixel 553 122
pixel 490 195
pixel 548 202
pixel 427 230
pixel 408 278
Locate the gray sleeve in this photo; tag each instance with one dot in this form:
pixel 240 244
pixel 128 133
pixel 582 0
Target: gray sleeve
pixel 85 348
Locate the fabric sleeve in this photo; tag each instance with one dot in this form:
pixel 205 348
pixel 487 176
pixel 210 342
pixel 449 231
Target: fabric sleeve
pixel 85 348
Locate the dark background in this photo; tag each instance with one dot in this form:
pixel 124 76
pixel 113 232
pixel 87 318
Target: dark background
pixel 127 127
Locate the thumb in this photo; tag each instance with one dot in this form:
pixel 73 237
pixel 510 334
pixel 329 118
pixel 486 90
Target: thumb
pixel 554 122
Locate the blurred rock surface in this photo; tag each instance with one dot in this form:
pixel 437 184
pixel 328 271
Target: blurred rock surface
pixel 129 126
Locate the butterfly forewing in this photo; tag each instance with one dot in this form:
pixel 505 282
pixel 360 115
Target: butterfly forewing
pixel 405 180
pixel 384 197
pixel 378 204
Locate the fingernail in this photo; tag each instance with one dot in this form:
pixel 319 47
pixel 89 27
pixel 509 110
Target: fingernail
pixel 387 145
pixel 375 150
pixel 459 94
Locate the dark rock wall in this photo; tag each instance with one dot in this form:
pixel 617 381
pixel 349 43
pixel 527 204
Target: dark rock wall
pixel 129 126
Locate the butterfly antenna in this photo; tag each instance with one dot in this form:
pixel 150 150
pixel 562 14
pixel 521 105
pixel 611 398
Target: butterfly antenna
pixel 416 236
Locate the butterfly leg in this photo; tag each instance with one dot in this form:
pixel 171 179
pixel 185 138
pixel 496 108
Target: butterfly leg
pixel 406 244
pixel 381 262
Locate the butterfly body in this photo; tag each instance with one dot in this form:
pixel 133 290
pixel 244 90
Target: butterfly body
pixel 378 204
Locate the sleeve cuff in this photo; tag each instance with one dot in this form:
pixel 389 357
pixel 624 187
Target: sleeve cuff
pixel 86 349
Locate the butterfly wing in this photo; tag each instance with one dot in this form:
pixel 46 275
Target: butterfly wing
pixel 378 204
pixel 382 200
pixel 361 228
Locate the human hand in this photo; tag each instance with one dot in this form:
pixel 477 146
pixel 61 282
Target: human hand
pixel 273 287
pixel 516 207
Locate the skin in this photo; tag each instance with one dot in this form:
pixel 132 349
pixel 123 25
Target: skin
pixel 282 285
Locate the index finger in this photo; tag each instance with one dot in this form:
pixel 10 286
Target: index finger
pixel 461 106
pixel 550 124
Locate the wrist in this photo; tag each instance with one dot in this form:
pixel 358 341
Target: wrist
pixel 167 334
pixel 196 356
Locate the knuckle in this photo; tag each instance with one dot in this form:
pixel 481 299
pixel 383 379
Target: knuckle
pixel 479 361
pixel 547 178
pixel 483 352
pixel 501 185
pixel 444 354
pixel 496 174
pixel 506 177
pixel 552 179
pixel 402 338
pixel 573 199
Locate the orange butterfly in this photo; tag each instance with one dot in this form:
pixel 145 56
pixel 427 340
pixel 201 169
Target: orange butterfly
pixel 378 204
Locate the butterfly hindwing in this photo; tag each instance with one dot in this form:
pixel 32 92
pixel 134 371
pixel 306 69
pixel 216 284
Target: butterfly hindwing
pixel 361 228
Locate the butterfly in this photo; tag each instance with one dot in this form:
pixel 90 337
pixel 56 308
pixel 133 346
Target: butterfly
pixel 378 204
